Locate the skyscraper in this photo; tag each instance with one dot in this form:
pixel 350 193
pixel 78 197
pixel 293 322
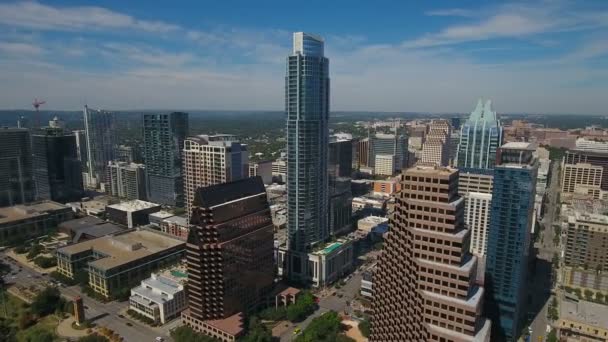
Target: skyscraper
pixel 307 109
pixel 210 160
pixel 340 195
pixel 16 179
pixel 100 131
pixel 56 168
pixel 229 255
pixel 389 145
pixel 480 136
pixel 436 149
pixel 425 283
pixel 164 136
pixel 511 219
pixel 127 180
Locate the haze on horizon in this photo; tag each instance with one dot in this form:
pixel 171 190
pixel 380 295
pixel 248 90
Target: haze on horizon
pixel 528 57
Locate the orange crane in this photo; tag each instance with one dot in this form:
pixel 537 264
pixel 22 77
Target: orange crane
pixel 37 103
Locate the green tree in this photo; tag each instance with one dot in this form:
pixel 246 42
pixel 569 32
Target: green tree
pixel 272 314
pixel 555 261
pixel 34 251
pixel 257 332
pixel 186 334
pixel 25 321
pixel 599 297
pixel 304 306
pixel 325 328
pixel 39 335
pixel 577 292
pixel 588 294
pixel 552 337
pixel 7 332
pixel 93 338
pixel 365 327
pixel 45 262
pixel 47 302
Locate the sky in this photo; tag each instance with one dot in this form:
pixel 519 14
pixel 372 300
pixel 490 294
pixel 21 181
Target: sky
pixel 403 56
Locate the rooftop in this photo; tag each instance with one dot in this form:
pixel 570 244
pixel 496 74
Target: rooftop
pixel 519 145
pixel 24 211
pixel 133 205
pixel 179 220
pixel 585 312
pixel 161 288
pixel 123 248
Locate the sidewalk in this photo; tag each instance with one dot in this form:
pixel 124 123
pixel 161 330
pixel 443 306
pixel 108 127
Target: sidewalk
pixel 64 329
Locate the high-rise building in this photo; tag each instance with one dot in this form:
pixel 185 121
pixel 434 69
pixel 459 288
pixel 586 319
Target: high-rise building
pixel 384 165
pixel 596 157
pixel 56 168
pixel 475 186
pixel 586 245
pixel 230 251
pixel 363 152
pixel 262 169
pixel 81 148
pixel 435 150
pixel 164 136
pixel 511 220
pixel 307 108
pixel 340 194
pixel 128 154
pixel 210 160
pixel 582 178
pixel 425 283
pixel 16 179
pixel 127 180
pixel 389 144
pixel 100 132
pixel 480 136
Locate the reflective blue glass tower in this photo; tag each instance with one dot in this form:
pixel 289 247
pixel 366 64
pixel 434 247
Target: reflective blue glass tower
pixel 307 109
pixel 511 218
pixel 480 136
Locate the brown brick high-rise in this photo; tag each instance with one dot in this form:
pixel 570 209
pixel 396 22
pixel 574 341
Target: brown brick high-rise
pixel 229 255
pixel 424 287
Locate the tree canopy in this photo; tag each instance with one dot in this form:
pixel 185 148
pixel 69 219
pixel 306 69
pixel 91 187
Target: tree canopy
pixel 186 334
pixel 325 328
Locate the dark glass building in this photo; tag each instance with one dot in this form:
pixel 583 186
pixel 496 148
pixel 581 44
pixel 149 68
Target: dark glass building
pixel 164 136
pixel 511 219
pixel 229 253
pixel 100 128
pixel 56 168
pixel 340 194
pixel 307 109
pixel 16 179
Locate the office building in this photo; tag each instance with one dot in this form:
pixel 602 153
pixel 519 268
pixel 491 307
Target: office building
pixel 105 259
pixel 210 160
pixel 384 165
pixel 100 128
pixel 132 213
pixel 262 169
pixel 164 136
pixel 386 187
pixel 307 108
pixel 389 144
pixel 435 150
pixel 128 154
pixel 367 284
pixel 583 144
pixel 582 178
pixel 159 298
pixel 340 194
pixel 279 170
pixel 229 255
pixel 56 168
pixel 587 241
pixel 16 178
pixel 424 288
pixel 363 152
pixel 126 180
pixel 594 157
pixel 87 228
pixel 81 148
pixel 175 226
pixel 475 186
pixel 508 245
pixel 582 321
pixel 480 137
pixel 25 221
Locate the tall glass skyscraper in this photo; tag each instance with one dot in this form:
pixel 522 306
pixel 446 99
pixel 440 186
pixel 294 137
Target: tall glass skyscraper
pixel 99 127
pixel 16 180
pixel 480 136
pixel 164 136
pixel 511 218
pixel 307 108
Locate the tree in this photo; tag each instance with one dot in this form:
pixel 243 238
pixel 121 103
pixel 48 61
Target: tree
pixel 26 320
pixel 47 302
pixel 7 332
pixel 34 251
pixel 365 328
pixel 45 262
pixel 555 261
pixel 39 335
pixel 599 297
pixel 577 292
pixel 186 334
pixel 552 337
pixel 257 332
pixel 93 338
pixel 325 328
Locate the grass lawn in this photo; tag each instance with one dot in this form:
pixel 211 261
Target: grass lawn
pixel 15 307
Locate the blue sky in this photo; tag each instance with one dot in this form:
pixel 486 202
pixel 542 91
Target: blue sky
pixel 437 56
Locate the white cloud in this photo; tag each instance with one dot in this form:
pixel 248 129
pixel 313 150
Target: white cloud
pixel 452 12
pixel 20 48
pixel 30 14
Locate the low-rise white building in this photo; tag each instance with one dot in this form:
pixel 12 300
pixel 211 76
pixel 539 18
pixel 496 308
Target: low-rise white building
pixel 159 298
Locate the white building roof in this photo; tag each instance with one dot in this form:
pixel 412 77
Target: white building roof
pixel 133 205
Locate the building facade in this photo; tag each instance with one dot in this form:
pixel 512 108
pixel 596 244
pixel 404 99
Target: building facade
pixel 340 194
pixel 164 136
pixel 587 241
pixel 307 108
pixel 384 165
pixel 511 221
pixel 210 160
pixel 425 287
pixel 230 252
pixel 389 144
pixel 26 221
pixel 262 169
pixel 435 150
pixel 582 178
pixel 127 180
pixel 17 184
pixel 100 128
pixel 159 298
pixel 593 157
pixel 480 137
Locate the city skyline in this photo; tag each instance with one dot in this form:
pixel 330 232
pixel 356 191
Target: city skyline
pixel 116 56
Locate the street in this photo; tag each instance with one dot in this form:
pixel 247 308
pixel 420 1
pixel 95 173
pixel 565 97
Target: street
pixel 541 283
pixel 102 314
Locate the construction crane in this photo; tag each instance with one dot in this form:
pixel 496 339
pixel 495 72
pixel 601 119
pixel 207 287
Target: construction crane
pixel 37 103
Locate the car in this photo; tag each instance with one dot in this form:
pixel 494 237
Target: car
pixel 159 339
pixel 297 330
pixel 129 324
pixel 121 316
